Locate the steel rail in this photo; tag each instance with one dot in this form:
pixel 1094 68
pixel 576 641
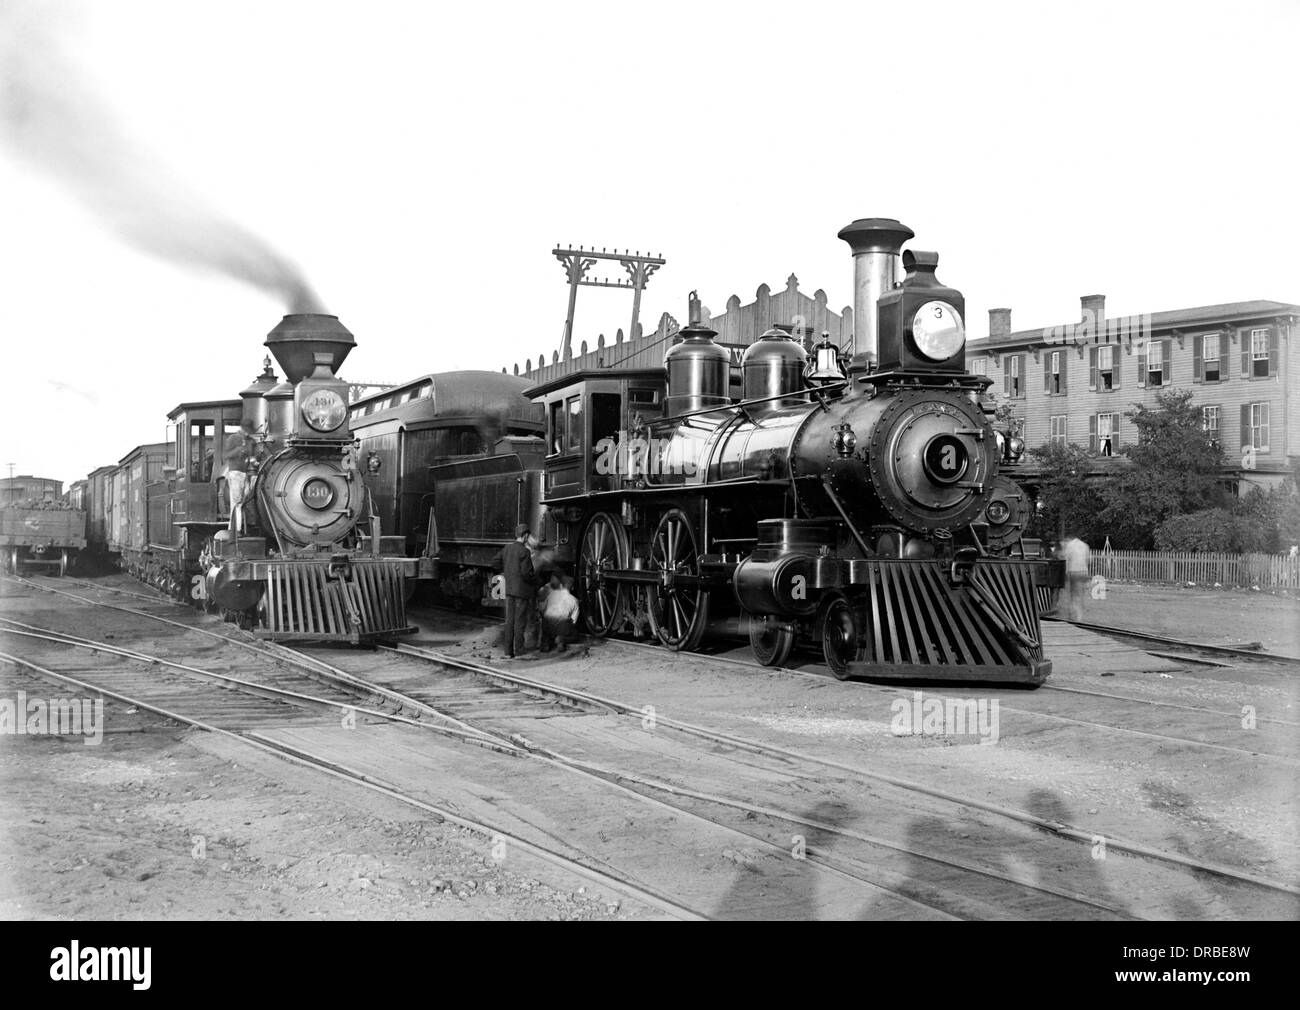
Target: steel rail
pixel 324 765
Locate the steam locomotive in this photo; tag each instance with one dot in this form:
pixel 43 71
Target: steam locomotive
pixel 852 504
pixel 310 560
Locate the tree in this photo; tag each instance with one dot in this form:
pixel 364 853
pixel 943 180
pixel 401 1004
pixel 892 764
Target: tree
pixel 1072 503
pixel 1176 470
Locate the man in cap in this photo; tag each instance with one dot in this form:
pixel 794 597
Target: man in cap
pixel 521 587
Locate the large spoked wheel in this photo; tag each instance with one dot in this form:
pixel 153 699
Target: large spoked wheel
pixel 604 547
pixel 771 639
pixel 678 613
pixel 840 637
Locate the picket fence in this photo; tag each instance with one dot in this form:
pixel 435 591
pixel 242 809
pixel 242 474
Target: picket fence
pixel 1267 571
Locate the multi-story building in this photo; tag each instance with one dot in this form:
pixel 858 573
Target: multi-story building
pixel 1074 382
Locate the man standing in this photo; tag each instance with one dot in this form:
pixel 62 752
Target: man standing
pixel 237 452
pixel 521 586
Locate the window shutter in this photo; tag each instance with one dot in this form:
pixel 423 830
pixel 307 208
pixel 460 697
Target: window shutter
pixel 1006 376
pixel 1065 371
pixel 1166 361
pixel 1114 434
pixel 1047 371
pixel 1272 350
pixel 1198 371
pixel 1244 336
pixel 1092 368
pixel 1245 425
pixel 1092 433
pixel 1224 356
pixel 1142 367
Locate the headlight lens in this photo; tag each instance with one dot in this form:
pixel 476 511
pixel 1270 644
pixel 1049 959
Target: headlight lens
pixel 324 410
pixel 938 331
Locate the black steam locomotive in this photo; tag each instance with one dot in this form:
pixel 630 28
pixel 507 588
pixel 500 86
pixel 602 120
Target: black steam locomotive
pixel 854 504
pixel 310 559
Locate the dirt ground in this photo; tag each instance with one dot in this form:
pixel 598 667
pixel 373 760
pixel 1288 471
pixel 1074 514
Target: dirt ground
pixel 157 822
pixel 1200 614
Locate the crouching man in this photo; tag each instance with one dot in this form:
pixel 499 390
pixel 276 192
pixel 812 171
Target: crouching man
pixel 559 616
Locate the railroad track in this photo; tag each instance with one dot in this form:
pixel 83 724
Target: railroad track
pixel 691 801
pixel 944 872
pixel 1176 643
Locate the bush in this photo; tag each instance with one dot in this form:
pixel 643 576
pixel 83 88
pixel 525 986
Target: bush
pixel 1206 530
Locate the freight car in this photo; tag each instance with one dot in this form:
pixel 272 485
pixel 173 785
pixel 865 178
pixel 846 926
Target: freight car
pixel 42 534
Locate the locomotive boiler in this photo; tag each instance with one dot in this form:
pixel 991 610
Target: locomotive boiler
pixel 852 502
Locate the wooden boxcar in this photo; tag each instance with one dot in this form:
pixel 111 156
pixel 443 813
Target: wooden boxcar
pixel 128 532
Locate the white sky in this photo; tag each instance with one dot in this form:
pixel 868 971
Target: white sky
pixel 419 161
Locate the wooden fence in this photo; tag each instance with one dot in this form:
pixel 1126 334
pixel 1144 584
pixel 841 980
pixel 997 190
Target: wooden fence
pixel 1267 571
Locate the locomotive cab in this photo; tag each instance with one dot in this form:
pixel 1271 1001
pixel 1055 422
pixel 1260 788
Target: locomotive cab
pixel 591 417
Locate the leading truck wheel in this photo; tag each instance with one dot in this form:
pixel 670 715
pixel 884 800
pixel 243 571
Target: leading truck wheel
pixel 771 639
pixel 604 546
pixel 840 637
pixel 678 612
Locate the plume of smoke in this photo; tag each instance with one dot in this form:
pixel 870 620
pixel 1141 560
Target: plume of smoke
pixel 53 122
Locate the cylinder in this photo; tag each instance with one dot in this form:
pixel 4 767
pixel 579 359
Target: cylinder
pixel 876 243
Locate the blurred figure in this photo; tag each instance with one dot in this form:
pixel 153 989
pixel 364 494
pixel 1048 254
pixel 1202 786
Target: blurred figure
pixel 559 615
pixel 1074 596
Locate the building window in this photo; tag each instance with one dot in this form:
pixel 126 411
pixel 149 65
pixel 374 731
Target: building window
pixel 1210 424
pixel 1014 385
pixel 1259 354
pixel 1056 386
pixel 1059 429
pixel 1258 413
pixel 1106 434
pixel 1106 367
pixel 979 366
pixel 1211 355
pixel 1155 366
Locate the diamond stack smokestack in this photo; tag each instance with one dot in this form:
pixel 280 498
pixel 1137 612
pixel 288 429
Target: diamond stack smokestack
pixel 298 338
pixel 876 243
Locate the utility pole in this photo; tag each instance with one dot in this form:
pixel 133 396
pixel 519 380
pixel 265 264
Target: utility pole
pixel 577 262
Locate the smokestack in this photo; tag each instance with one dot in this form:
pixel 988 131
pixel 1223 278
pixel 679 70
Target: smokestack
pixel 999 323
pixel 876 243
pixel 300 336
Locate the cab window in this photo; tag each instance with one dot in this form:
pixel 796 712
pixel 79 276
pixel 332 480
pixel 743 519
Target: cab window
pixel 573 412
pixel 555 429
